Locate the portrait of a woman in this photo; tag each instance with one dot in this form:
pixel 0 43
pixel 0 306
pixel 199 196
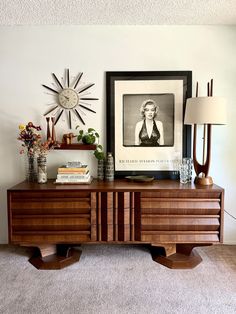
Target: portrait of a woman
pixel 149 131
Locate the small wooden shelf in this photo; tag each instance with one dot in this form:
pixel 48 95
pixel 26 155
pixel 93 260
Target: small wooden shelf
pixel 77 146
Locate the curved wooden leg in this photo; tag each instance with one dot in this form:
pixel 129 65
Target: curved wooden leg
pixel 179 256
pixel 54 256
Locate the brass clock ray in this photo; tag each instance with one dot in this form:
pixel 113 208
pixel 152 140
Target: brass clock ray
pixel 69 98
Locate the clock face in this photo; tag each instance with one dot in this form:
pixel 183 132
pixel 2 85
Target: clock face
pixel 71 98
pixel 68 98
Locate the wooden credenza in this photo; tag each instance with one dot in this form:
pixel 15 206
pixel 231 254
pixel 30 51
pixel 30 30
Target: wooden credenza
pixel 171 217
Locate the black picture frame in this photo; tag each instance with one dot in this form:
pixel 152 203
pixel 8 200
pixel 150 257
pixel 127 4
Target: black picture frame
pixel 150 84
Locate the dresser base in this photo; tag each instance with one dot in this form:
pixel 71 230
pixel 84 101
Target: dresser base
pixel 182 258
pixel 64 257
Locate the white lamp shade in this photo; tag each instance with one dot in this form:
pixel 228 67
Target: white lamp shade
pixel 205 110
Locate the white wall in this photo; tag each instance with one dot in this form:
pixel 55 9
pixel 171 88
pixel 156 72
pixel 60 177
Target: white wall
pixel 28 56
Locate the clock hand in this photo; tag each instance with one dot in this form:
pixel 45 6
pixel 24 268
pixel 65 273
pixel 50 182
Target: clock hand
pixel 66 97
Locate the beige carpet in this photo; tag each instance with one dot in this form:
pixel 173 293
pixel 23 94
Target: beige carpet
pixel 118 279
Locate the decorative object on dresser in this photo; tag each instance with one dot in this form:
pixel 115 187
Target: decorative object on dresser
pixel 42 169
pixel 172 218
pixel 140 178
pixel 159 96
pixel 185 170
pixel 29 136
pixel 205 111
pixel 100 170
pixel 71 97
pixel 34 146
pixel 109 169
pixel 73 172
pixel 100 156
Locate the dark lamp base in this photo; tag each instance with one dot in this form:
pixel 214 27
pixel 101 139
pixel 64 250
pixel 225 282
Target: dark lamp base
pixel 203 180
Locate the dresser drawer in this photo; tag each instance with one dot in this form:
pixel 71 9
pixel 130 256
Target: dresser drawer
pixel 180 206
pixel 50 216
pixel 183 194
pixel 180 217
pixel 50 203
pixel 180 222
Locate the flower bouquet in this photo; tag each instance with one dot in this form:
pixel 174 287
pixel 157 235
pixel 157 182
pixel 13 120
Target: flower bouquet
pixel 34 146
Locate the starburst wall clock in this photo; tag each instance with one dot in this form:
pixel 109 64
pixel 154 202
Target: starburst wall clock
pixel 71 98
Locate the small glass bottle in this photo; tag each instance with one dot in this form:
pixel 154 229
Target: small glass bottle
pixel 109 171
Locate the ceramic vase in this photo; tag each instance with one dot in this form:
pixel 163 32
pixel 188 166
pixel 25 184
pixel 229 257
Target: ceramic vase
pixel 30 168
pixel 109 171
pixel 42 169
pixel 100 173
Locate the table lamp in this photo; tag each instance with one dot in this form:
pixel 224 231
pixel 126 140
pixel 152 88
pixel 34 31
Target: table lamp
pixel 204 111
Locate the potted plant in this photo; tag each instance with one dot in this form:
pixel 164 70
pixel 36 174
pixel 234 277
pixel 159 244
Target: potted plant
pixel 91 137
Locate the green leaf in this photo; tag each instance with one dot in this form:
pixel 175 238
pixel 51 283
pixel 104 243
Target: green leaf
pixel 79 137
pixel 88 139
pixel 91 130
pixel 97 135
pixel 99 155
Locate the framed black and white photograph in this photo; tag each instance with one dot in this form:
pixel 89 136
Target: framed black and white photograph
pixel 145 130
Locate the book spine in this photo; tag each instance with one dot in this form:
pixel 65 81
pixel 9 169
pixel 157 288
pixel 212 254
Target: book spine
pixel 66 171
pixel 73 180
pixel 74 168
pixel 73 176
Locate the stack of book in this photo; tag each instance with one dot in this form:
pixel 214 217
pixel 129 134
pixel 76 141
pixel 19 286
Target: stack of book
pixel 68 174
